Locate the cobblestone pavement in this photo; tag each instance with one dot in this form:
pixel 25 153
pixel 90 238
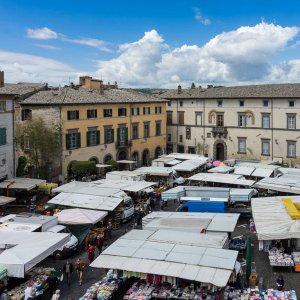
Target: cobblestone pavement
pixel 260 258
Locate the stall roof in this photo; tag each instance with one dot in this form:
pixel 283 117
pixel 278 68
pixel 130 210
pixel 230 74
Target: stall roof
pixel 258 165
pixel 186 156
pixel 5 200
pixel 177 237
pixel 21 183
pixel 80 216
pixel 246 171
pixel 103 166
pixel 222 178
pixel 125 161
pixel 272 220
pixel 30 249
pixel 173 162
pixel 156 171
pixel 18 227
pixel 189 165
pixel 262 172
pixel 221 169
pixel 125 185
pixel 169 259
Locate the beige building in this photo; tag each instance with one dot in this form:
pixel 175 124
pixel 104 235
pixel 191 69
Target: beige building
pixel 255 122
pixel 103 124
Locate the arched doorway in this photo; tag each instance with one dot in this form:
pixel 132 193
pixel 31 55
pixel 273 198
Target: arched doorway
pixel 146 158
pixel 158 152
pixel 220 150
pixel 96 161
pixel 135 157
pixel 122 155
pixel 107 158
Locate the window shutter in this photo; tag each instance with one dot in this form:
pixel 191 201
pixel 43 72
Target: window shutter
pixel 132 111
pixel 143 110
pixel 118 135
pixel 98 137
pixel 77 114
pixel 68 141
pixel 105 136
pixel 88 138
pixel 156 109
pixel 138 110
pixel 78 141
pixel 69 115
pixel 4 135
pixel 126 135
pixel 112 136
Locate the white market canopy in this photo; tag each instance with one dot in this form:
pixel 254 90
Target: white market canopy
pixel 186 156
pixel 80 216
pixel 208 265
pixel 5 200
pixel 190 165
pixel 20 183
pixel 221 169
pixel 222 178
pixel 17 227
pixel 29 248
pixel 272 220
pixel 103 166
pixel 125 161
pixel 173 162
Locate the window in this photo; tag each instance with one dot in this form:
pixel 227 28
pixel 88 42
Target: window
pixel 135 131
pixel 208 135
pixel 291 103
pixel 26 142
pixel 26 114
pixel 107 113
pixel 158 128
pixel 158 110
pixel 242 120
pixel 242 102
pixel 180 103
pixel 2 105
pixel 181 118
pixel 265 120
pixel 220 103
pixel 2 136
pixel 265 147
pixel 92 137
pixel 108 135
pixel 220 119
pixel 170 103
pixel 146 110
pixel 191 150
pixel 73 139
pixel 291 121
pixel 122 112
pixel 188 133
pixel 135 111
pixel 92 113
pixel 241 145
pixel 198 118
pixel 73 114
pixel 169 137
pixel 291 149
pixel 169 117
pixel 146 130
pixel 265 103
pixel 180 138
pixel 180 149
pixel 122 136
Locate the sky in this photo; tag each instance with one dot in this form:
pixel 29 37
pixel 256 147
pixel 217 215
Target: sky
pixel 155 44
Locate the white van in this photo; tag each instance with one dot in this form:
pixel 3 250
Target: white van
pixel 67 249
pixel 128 211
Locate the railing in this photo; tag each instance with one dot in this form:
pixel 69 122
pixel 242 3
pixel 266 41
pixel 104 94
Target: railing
pixel 219 131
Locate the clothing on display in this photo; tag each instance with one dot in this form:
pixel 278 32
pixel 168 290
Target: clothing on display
pixel 277 257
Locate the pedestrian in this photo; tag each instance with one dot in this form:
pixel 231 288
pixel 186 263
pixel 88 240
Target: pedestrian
pixel 162 203
pixel 109 229
pixel 80 265
pixel 280 283
pixel 99 243
pixel 91 253
pixel 3 295
pixel 28 291
pixel 95 297
pixel 68 269
pixel 52 283
pixel 56 295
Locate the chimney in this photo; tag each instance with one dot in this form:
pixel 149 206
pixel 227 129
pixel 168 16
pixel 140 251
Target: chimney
pixel 101 88
pixel 200 87
pixel 193 86
pixel 1 78
pixel 209 86
pixel 179 89
pixel 116 85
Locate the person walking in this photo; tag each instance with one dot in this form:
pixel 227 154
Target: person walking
pixel 80 266
pixel 109 229
pixel 56 295
pixel 99 242
pixel 91 253
pixel 280 283
pixel 68 269
pixel 52 281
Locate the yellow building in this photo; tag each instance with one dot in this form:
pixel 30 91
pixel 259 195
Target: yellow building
pixel 101 125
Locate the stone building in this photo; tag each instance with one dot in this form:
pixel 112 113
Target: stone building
pixel 103 124
pixel 256 121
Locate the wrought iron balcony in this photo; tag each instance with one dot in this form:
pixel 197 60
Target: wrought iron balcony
pixel 219 131
pixel 123 144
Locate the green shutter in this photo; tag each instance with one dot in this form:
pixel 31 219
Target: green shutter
pixel 68 141
pixel 4 136
pixel 88 138
pixel 112 136
pixel 77 114
pixel 138 110
pixel 105 136
pixel 23 115
pixel 98 137
pixel 118 135
pixel 78 140
pixel 126 135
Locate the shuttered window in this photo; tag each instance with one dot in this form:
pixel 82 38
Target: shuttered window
pixel 108 135
pixel 93 138
pixel 2 136
pixel 73 140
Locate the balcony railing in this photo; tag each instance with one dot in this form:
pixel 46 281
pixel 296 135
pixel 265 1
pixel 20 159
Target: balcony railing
pixel 123 144
pixel 219 131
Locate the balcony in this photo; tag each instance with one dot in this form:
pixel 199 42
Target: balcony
pixel 123 144
pixel 219 131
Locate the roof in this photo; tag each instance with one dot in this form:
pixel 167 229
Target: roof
pixel 265 91
pixel 5 200
pixel 69 96
pixel 21 183
pixel 21 89
pixel 272 220
pixel 190 165
pixel 221 169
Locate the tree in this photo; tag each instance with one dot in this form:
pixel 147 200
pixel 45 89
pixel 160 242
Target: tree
pixel 22 162
pixel 39 142
pixel 83 168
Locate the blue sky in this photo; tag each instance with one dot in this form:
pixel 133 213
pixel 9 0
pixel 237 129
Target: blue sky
pixel 151 43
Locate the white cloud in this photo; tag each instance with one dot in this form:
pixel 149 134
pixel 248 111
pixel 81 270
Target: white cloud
pixel 20 67
pixel 99 44
pixel 200 18
pixel 240 56
pixel 49 47
pixel 42 33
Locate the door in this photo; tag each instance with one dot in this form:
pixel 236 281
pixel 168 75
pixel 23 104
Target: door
pixel 220 151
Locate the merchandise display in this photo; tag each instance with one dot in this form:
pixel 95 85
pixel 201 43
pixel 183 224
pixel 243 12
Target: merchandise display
pixel 278 258
pixel 256 294
pixel 296 258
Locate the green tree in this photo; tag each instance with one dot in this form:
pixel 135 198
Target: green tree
pixel 83 168
pixel 39 142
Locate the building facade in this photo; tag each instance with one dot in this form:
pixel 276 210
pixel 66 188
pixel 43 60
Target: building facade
pixel 255 122
pixel 103 125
